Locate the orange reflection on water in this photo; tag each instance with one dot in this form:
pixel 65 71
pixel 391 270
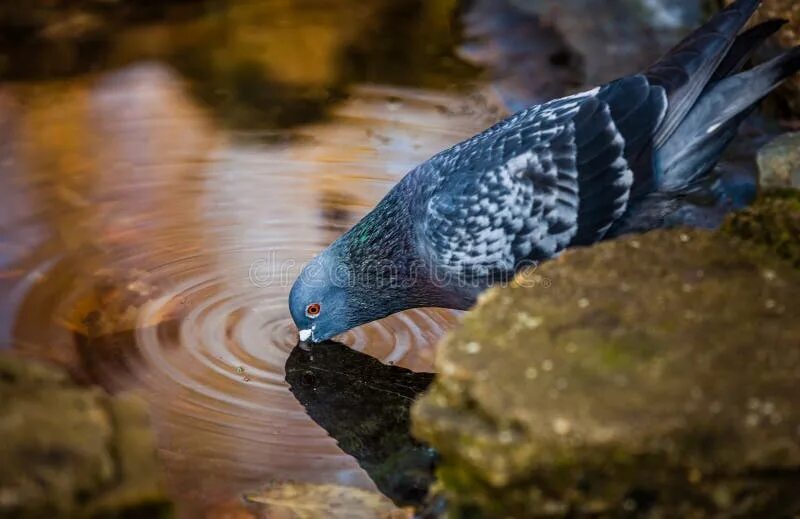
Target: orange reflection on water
pixel 132 223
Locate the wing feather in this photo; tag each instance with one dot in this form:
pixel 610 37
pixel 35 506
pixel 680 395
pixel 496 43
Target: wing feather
pixel 552 176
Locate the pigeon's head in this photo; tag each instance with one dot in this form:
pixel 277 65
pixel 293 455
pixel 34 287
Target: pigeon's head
pixel 318 300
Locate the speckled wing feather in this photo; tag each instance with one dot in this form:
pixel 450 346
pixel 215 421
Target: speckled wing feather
pixel 631 111
pixel 554 175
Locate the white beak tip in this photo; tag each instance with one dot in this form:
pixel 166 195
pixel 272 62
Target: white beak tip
pixel 305 335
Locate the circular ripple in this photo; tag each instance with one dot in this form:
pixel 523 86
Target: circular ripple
pixel 175 285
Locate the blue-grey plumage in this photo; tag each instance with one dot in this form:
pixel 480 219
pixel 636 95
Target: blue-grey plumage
pixel 616 159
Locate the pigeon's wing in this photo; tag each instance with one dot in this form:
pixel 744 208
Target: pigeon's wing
pixel 554 175
pixel 509 194
pixel 686 70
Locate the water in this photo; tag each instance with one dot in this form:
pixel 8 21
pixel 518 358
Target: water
pixel 365 405
pixel 162 184
pixel 166 171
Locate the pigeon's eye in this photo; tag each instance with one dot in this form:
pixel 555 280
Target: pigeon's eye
pixel 313 310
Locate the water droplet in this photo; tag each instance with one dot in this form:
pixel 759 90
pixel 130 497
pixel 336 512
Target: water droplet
pixel 531 373
pixel 547 365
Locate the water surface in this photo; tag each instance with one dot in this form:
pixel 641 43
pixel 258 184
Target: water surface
pixel 161 187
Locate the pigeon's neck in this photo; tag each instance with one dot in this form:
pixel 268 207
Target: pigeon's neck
pixel 383 260
pixel 383 235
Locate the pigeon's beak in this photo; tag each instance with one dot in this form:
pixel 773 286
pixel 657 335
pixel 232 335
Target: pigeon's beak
pixel 305 335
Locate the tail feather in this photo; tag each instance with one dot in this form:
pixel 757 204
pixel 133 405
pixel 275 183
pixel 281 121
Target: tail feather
pixel 686 70
pixel 743 48
pixel 708 97
pixel 712 123
pixel 785 65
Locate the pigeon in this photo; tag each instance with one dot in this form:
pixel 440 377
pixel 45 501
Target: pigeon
pixel 633 155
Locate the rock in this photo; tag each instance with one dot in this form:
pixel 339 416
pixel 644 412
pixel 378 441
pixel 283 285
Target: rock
pixel 265 76
pixel 528 61
pixel 654 374
pixel 310 501
pixel 779 162
pixel 620 37
pixel 774 224
pixel 70 451
pixel 78 20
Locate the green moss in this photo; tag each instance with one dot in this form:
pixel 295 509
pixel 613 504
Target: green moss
pixel 70 451
pixel 645 377
pixel 772 223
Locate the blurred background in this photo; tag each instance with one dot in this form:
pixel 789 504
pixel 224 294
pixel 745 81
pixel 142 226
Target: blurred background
pixel 167 166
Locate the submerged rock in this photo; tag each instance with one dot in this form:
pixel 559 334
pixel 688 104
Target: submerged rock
pixel 309 501
pixel 618 37
pixel 528 61
pixel 654 374
pixel 69 451
pixel 779 162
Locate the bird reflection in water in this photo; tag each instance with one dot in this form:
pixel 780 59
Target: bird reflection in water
pixel 364 405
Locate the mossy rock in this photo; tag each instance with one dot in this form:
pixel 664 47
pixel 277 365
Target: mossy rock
pixel 779 162
pixel 70 451
pixel 773 223
pixel 654 375
pixel 318 501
